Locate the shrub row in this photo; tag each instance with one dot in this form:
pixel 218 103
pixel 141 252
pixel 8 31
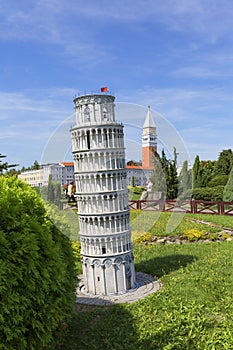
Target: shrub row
pixel 214 194
pixel 37 279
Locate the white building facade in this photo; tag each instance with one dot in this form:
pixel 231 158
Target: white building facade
pixel 102 196
pixel 34 178
pixel 60 172
pixel 140 175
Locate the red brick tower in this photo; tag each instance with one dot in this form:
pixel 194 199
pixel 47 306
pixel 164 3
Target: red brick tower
pixel 149 141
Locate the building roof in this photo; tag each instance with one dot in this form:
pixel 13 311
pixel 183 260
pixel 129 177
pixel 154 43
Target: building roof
pixel 67 163
pixel 138 167
pixel 149 121
pixel 134 167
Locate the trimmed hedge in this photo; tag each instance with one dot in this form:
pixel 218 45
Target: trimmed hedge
pixel 37 279
pixel 209 193
pixel 214 194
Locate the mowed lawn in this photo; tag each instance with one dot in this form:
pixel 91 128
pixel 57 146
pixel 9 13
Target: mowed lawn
pixel 193 310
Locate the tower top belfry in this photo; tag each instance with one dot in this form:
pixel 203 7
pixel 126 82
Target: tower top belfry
pixel 94 109
pixel 149 141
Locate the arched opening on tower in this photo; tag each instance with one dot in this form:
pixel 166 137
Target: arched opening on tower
pixel 88 140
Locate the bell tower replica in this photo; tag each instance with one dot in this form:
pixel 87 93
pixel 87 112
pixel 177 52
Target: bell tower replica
pixel 149 141
pixel 102 196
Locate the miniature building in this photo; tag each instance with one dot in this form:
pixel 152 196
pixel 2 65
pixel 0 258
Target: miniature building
pixel 60 172
pixel 142 172
pixel 149 141
pixel 102 196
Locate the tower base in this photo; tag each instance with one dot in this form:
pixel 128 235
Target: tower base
pixel 145 285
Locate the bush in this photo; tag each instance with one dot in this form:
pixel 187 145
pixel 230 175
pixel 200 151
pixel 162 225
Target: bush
pixel 218 180
pixel 194 234
pixel 141 237
pixel 37 280
pixel 135 192
pixel 76 246
pixel 217 193
pixel 209 194
pixel 136 189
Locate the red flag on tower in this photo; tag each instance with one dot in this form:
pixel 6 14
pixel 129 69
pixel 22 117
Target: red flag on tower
pixel 104 89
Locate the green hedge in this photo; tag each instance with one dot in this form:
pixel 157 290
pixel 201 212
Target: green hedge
pixel 218 180
pixel 214 194
pixel 37 280
pixel 209 193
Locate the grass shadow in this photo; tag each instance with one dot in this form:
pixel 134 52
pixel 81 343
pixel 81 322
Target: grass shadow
pixel 160 266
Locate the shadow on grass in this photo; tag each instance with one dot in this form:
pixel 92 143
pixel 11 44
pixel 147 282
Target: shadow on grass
pixel 113 328
pixel 160 266
pixel 100 328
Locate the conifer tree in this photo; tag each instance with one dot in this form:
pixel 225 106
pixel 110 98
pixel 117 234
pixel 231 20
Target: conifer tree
pixel 133 181
pixel 164 176
pixel 5 166
pixel 224 162
pixel 50 190
pixel 57 193
pixel 172 178
pixel 185 177
pixel 196 172
pixel 228 189
pixel 158 177
pixel 36 165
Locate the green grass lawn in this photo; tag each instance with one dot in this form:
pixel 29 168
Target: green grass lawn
pixel 165 223
pixel 221 220
pixel 193 310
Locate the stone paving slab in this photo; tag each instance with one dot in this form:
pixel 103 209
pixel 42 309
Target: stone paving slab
pixel 146 285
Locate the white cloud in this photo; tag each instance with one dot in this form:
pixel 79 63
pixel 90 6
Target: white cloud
pixel 201 117
pixel 22 102
pixel 66 23
pixel 30 117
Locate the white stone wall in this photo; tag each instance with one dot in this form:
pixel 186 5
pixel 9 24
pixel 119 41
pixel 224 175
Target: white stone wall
pixel 141 176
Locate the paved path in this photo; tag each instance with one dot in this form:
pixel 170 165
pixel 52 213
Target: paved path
pixel 146 285
pixel 227 229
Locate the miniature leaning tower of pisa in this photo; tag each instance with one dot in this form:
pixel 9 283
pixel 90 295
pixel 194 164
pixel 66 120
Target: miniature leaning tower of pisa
pixel 102 196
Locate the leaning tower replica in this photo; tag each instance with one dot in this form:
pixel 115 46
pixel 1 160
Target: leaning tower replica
pixel 102 196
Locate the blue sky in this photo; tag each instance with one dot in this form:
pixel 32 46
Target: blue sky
pixel 174 55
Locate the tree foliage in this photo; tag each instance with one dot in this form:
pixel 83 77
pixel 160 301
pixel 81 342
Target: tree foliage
pixel 35 165
pixel 214 194
pixel 158 176
pixel 228 189
pixel 164 176
pixel 185 178
pixel 218 180
pixel 5 166
pixel 51 193
pixel 37 280
pixel 212 176
pixel 133 181
pixel 196 172
pixel 224 162
pixel 206 173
